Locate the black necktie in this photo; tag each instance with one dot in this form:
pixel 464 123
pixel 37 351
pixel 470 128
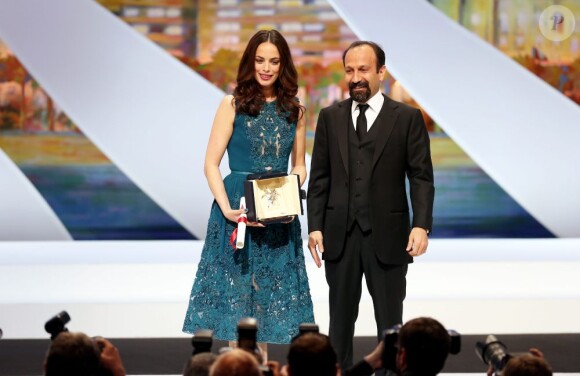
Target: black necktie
pixel 361 121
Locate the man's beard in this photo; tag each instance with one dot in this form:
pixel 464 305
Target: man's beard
pixel 360 96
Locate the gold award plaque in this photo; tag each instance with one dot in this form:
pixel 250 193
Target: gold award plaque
pixel 277 197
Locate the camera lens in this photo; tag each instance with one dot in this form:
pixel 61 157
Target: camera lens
pixel 202 341
pixel 390 337
pixel 308 328
pixel 247 333
pixel 493 353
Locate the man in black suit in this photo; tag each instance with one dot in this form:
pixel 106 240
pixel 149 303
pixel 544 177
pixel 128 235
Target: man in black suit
pixel 357 197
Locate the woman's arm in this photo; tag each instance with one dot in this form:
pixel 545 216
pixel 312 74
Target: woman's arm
pixel 221 132
pixel 299 149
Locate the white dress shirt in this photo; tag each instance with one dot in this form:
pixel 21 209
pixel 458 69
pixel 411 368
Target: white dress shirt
pixel 375 105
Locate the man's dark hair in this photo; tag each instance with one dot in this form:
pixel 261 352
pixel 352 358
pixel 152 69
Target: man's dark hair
pixel 73 354
pixel 199 364
pixel 311 354
pixel 527 365
pixel 426 343
pixel 379 53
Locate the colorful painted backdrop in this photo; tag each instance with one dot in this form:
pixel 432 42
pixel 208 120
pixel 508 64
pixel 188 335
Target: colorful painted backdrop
pixel 95 200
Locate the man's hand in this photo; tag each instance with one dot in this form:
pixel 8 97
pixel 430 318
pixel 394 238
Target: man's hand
pixel 536 352
pixel 315 245
pixel 375 359
pixel 110 357
pixel 418 242
pixel 274 367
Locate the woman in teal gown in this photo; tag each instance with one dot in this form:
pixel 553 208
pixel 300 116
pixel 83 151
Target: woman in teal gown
pixel 261 126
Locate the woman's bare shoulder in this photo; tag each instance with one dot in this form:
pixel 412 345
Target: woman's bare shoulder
pixel 227 105
pixel 229 99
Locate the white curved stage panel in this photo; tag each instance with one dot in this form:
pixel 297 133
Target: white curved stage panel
pixel 520 130
pixel 24 214
pixel 141 289
pixel 149 114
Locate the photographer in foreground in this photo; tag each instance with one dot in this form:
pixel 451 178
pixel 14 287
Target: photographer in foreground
pixel 311 354
pixel 419 348
pixel 236 362
pixel 73 354
pixel 199 364
pixel 532 363
pixel 500 361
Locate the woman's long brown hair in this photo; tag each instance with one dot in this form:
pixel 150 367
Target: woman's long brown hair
pixel 248 95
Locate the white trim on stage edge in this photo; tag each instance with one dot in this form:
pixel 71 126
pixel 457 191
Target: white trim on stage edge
pixel 141 288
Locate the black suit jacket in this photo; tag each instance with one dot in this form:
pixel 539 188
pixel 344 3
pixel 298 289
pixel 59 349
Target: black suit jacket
pixel 402 150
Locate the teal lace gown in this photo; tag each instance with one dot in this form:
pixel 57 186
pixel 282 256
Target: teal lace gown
pixel 267 278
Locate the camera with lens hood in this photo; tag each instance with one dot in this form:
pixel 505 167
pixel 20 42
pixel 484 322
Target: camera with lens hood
pixel 494 353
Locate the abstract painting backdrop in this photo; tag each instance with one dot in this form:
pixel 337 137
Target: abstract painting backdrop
pixel 95 200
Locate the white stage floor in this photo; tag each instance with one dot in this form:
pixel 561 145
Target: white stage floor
pixel 129 289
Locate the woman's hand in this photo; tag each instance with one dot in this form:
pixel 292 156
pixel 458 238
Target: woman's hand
pixel 290 220
pixel 233 215
pixel 256 224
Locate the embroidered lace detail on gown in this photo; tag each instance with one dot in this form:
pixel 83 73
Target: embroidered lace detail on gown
pixel 267 278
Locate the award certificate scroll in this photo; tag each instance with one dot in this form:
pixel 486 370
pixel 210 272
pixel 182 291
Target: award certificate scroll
pixel 273 197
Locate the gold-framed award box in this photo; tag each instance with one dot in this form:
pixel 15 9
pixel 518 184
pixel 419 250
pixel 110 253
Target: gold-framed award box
pixel 273 197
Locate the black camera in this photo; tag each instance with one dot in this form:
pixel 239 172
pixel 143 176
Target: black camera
pixel 247 340
pixel 494 353
pixel 390 346
pixel 247 334
pixel 57 324
pixel 308 328
pixel 202 341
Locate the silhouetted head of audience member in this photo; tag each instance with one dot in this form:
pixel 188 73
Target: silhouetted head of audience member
pixel 236 362
pixel 312 354
pixel 423 347
pixel 199 364
pixel 527 365
pixel 78 354
pixel 73 354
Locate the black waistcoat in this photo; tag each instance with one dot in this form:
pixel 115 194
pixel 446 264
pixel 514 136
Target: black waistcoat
pixel 360 159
